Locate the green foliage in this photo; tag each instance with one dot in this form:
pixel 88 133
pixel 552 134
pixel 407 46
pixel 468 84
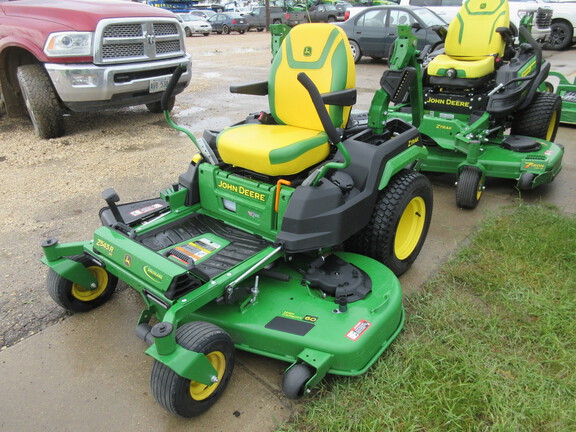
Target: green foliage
pixel 489 344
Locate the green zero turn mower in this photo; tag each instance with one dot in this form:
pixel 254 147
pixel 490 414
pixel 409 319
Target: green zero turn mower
pixel 477 103
pixel 280 239
pixel 567 92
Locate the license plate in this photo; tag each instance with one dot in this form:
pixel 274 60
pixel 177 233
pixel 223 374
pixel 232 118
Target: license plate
pixel 158 84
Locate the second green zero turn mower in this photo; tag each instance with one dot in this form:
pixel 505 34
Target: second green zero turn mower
pixel 280 239
pixel 477 104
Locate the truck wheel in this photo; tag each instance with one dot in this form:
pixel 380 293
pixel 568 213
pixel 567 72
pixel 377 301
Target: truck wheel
pixel 540 119
pixel 470 187
pixel 179 395
pixel 399 223
pixel 356 52
pixel 561 34
pixel 188 32
pixel 42 103
pixel 277 21
pixel 331 19
pixel 156 107
pixel 225 29
pixel 75 298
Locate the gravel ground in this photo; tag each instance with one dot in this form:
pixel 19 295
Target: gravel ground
pixel 53 187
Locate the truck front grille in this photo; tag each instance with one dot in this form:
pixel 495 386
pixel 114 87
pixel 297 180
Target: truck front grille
pixel 137 39
pixel 543 18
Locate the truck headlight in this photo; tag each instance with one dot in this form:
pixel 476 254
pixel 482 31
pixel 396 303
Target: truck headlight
pixel 69 44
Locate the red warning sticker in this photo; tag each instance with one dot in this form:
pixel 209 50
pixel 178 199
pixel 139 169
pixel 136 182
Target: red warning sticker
pixel 146 209
pixel 357 331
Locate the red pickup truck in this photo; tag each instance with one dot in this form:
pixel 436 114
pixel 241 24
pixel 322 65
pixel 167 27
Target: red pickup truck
pixel 59 56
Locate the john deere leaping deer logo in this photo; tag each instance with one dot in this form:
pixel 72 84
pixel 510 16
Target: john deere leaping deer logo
pixel 307 51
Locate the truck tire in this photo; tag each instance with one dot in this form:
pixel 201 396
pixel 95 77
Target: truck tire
pixel 540 119
pixel 331 19
pixel 156 107
pixel 42 103
pixel 561 34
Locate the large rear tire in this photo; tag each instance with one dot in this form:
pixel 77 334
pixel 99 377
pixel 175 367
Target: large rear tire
pixel 399 223
pixel 179 395
pixel 42 103
pixel 540 119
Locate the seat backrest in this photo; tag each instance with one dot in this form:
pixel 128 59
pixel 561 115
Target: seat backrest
pixel 323 52
pixel 472 33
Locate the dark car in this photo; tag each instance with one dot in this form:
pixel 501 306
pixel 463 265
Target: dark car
pixel 373 31
pixel 227 22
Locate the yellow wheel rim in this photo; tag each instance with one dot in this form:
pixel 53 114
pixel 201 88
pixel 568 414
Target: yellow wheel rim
pixel 551 126
pixel 479 190
pixel 200 391
pixel 410 228
pixel 84 294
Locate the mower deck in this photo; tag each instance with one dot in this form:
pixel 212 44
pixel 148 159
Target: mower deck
pixel 292 322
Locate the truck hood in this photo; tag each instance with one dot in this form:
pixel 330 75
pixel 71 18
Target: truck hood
pixel 80 15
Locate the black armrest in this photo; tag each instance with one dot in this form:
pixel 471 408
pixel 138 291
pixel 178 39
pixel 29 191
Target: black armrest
pixel 506 34
pixel 257 88
pixel 340 98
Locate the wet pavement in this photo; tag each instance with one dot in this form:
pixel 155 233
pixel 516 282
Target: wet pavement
pixel 88 372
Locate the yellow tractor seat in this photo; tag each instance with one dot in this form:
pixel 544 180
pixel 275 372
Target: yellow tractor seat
pixel 463 68
pixel 473 43
pixel 297 141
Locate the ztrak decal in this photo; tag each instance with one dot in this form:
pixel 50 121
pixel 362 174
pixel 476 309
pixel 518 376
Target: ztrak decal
pixel 357 331
pixel 534 166
pixel 241 190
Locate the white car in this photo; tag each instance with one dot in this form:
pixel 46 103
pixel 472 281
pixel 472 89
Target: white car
pixel 192 24
pixel 541 28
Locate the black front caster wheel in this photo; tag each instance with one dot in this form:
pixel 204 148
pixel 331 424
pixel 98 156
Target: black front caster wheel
pixel 470 187
pixel 295 379
pixel 179 395
pixel 76 298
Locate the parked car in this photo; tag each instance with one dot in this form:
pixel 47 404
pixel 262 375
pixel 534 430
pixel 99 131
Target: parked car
pixel 447 10
pixel 278 15
pixel 227 22
pixel 373 31
pixel 192 24
pixel 326 13
pixel 203 13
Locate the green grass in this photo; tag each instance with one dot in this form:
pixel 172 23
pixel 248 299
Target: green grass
pixel 489 344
